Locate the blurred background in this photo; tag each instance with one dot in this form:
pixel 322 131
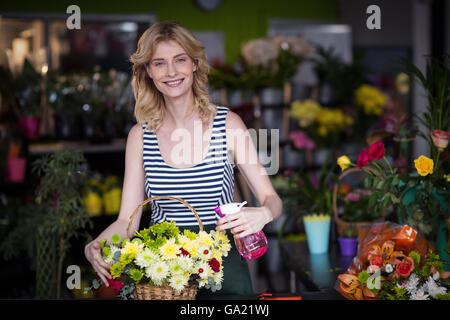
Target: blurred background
pixel 330 75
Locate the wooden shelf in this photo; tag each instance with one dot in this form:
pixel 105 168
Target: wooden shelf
pixel 116 145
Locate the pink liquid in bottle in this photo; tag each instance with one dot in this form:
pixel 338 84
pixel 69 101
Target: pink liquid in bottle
pixel 252 246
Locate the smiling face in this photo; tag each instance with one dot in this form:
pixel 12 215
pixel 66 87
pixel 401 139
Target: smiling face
pixel 171 69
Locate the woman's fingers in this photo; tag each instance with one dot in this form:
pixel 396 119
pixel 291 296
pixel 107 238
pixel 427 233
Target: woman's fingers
pixel 241 231
pixel 102 273
pixel 230 225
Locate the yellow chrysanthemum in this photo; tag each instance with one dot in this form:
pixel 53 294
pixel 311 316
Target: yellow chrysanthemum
pixel 205 238
pixel 220 237
pixel 424 165
pixel 192 248
pixel 371 99
pixel 183 241
pixel 170 249
pixel 132 248
pixel 305 112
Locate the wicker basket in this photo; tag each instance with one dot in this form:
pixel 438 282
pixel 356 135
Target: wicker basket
pixel 343 226
pixel 151 292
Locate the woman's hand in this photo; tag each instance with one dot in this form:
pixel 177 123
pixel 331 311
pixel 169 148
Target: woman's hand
pixel 247 221
pixel 93 254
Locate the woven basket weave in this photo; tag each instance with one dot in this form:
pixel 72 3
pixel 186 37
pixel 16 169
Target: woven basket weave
pixel 344 226
pixel 151 292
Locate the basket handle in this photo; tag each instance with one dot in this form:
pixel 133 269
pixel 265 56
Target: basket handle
pixel 200 224
pixel 336 186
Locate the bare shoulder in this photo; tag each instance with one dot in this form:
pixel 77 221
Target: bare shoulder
pixel 135 137
pixel 234 121
pixel 135 132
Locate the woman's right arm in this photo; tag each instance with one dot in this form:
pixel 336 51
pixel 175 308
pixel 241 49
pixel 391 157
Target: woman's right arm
pixel 132 195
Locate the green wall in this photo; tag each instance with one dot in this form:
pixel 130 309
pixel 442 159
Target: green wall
pixel 240 20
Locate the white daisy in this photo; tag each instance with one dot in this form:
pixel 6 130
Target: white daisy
pixel 412 283
pixel 158 271
pixel 175 268
pixel 185 262
pixel 178 282
pixel 204 252
pixel 218 277
pixel 203 270
pixel 388 268
pixel 145 258
pixel 433 289
pixel 419 294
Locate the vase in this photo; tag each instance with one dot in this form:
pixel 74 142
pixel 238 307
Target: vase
pixel 348 246
pixel 317 235
pixel 16 168
pixel 30 127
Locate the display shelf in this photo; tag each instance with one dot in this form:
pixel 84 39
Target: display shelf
pixel 40 148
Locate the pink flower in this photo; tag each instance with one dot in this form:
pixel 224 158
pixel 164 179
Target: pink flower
pixel 352 196
pixel 373 268
pixel 363 159
pixel 403 268
pixel 376 151
pixel 301 140
pixel 440 138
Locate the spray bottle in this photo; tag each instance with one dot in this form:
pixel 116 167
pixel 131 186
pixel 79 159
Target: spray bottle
pixel 252 246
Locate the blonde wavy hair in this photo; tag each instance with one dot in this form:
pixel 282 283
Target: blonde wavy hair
pixel 149 107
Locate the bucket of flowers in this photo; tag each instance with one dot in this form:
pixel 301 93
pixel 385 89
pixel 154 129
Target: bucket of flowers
pixel 394 262
pixel 163 263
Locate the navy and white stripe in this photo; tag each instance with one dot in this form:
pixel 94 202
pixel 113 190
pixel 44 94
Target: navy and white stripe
pixel 204 186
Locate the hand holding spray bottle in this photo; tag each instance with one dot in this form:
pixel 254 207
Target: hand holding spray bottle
pixel 252 246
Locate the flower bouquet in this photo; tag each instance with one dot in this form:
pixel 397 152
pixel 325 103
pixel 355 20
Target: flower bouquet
pixel 163 263
pixel 394 262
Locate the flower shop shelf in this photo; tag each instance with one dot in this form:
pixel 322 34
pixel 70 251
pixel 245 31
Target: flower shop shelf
pixel 116 145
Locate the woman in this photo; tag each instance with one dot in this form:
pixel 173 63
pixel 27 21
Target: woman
pixel 186 147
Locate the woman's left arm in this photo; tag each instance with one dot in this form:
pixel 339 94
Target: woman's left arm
pixel 250 219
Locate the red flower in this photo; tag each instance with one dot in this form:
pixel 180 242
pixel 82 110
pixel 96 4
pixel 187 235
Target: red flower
pixel 376 151
pixel 403 268
pixel 376 261
pixel 114 284
pixel 184 252
pixel 363 159
pixel 214 264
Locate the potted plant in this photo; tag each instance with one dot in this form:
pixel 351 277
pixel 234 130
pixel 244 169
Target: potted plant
pixel 62 180
pixel 313 194
pixel 23 92
pixel 348 242
pixel 16 162
pixel 324 126
pixel 66 103
pixel 420 198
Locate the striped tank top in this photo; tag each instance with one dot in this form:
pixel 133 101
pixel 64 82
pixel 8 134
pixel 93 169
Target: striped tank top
pixel 204 186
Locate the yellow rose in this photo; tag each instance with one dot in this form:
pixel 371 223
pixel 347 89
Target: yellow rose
pixel 343 162
pixel 424 165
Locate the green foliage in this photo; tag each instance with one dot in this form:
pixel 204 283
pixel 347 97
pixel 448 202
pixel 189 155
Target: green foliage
pixel 62 179
pixel 343 78
pixel 156 235
pixel 23 90
pixel 363 276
